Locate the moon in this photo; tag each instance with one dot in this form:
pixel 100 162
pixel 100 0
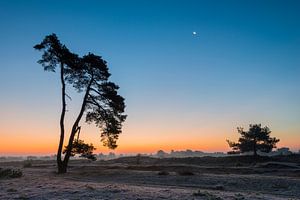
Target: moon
pixel 194 33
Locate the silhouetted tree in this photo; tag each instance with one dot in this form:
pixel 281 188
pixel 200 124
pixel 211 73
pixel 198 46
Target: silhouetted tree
pixel 101 103
pixel 55 55
pixel 256 138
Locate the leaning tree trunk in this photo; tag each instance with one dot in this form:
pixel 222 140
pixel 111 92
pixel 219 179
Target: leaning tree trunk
pixel 75 127
pixel 60 166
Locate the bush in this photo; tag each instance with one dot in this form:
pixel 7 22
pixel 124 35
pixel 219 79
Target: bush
pixel 163 173
pixel 10 173
pixel 218 187
pixel 207 195
pixel 239 196
pixel 199 194
pixel 11 190
pixel 185 173
pixel 27 163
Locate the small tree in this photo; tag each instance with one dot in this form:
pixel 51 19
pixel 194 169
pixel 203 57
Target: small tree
pixel 256 138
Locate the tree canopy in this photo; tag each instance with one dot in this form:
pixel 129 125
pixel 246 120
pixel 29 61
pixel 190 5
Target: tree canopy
pixel 257 138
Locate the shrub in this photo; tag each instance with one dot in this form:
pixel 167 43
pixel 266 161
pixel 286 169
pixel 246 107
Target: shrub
pixel 27 163
pixel 238 196
pixel 185 173
pixel 207 195
pixel 199 194
pixel 10 173
pixel 11 190
pixel 163 173
pixel 16 173
pixel 218 187
pixel 23 197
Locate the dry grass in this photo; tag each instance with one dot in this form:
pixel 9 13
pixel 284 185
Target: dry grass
pixel 148 180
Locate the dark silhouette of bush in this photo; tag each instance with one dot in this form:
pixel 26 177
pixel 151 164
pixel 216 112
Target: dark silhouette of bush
pixel 185 173
pixel 163 173
pixel 27 163
pixel 10 173
pixel 207 195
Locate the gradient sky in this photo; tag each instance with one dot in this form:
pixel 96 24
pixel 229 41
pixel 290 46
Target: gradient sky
pixel 182 91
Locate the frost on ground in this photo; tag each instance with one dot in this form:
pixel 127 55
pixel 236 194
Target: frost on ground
pixel 121 181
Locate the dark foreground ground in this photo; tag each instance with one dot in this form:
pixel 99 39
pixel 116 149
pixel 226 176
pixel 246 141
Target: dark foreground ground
pixel 150 178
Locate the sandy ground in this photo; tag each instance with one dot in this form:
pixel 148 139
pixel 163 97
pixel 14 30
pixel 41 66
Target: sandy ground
pixel 100 180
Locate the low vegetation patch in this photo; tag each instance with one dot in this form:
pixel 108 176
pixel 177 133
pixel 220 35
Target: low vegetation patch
pixel 11 190
pixel 207 195
pixel 27 163
pixel 10 173
pixel 217 187
pixel 163 173
pixel 238 196
pixel 280 186
pixel 185 173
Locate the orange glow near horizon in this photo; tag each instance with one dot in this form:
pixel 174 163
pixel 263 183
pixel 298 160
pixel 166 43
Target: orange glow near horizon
pixel 39 135
pixel 130 142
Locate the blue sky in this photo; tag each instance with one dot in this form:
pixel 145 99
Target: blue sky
pixel 242 66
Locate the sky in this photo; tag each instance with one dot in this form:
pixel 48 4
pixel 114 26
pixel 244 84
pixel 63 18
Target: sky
pixel 182 90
